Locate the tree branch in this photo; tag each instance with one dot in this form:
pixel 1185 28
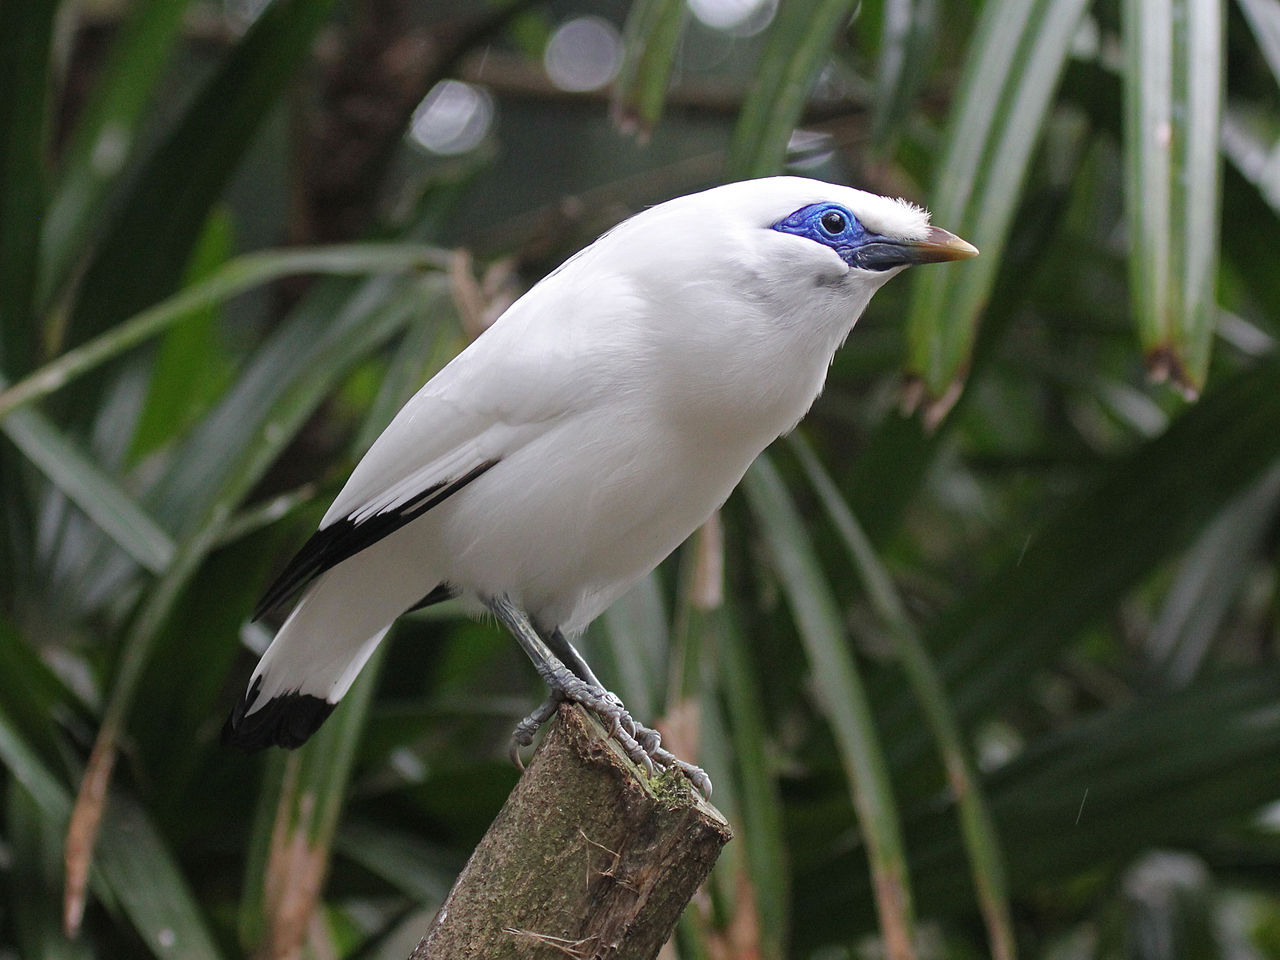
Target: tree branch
pixel 589 858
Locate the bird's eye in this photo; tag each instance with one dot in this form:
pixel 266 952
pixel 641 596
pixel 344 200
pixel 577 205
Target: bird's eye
pixel 834 222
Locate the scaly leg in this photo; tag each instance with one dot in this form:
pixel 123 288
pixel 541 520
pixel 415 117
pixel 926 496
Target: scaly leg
pixel 570 657
pixel 564 684
pixel 570 678
pixel 647 737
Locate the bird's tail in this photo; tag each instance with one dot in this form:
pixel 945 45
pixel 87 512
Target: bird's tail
pixel 306 670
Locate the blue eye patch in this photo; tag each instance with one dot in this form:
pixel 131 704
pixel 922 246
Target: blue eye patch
pixel 834 226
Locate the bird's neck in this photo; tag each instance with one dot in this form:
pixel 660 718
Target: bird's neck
pixel 752 384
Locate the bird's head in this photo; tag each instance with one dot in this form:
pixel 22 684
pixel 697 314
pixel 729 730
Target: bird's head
pixel 729 303
pixel 780 256
pixel 868 233
pixel 750 283
pixel 795 233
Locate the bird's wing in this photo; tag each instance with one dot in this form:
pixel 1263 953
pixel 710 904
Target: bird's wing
pixel 344 538
pixel 489 402
pixel 551 355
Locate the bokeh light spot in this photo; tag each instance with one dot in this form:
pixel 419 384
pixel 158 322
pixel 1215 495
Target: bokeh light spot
pixel 583 54
pixel 453 118
pixel 741 17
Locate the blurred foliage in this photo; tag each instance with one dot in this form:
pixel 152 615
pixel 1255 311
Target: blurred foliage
pixel 1027 629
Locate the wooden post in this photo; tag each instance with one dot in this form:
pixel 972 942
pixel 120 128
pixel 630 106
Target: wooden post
pixel 589 858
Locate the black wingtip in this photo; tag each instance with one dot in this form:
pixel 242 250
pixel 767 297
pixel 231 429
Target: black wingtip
pixel 343 539
pixel 284 721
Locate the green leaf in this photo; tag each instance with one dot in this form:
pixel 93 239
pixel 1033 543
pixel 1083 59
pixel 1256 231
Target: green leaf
pixel 234 277
pixel 160 221
pixel 1158 771
pixel 1014 64
pixel 26 767
pixel 421 870
pixel 323 769
pixel 1264 20
pixel 145 877
pixel 422 350
pixel 698 730
pixel 1247 143
pixel 106 135
pixel 1208 579
pixel 1250 182
pixel 217 466
pixel 650 42
pixel 183 693
pixel 264 513
pixel 266 415
pixel 981 841
pixel 759 803
pixel 90 488
pixel 696 621
pixel 192 366
pixel 890 470
pixel 637 640
pixel 340 323
pixel 33 695
pixel 35 834
pixel 1173 104
pixel 1100 543
pixel 26 31
pixel 1169 770
pixel 906 40
pixel 798 46
pixel 841 697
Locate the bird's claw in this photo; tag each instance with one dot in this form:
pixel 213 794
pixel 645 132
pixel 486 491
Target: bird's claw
pixel 696 776
pixel 664 758
pixel 651 740
pixel 642 744
pixel 526 729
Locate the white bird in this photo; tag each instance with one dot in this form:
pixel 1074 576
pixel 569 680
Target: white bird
pixel 583 436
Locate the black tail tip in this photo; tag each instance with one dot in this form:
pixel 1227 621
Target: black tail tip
pixel 284 721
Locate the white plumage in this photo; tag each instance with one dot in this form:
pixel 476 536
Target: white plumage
pixel 595 425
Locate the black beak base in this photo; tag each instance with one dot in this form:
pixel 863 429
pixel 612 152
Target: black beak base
pixel 938 246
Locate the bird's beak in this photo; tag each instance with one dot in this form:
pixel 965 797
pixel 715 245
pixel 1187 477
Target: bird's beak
pixel 938 246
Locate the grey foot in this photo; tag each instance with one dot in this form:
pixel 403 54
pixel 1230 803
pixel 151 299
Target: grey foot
pixel 642 744
pixel 599 701
pixel 663 758
pixel 577 683
pixel 526 729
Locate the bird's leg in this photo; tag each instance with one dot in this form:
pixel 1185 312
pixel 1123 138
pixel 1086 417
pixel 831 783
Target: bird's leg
pixel 647 737
pixel 570 678
pixel 572 659
pixel 524 732
pixel 564 683
pixel 576 662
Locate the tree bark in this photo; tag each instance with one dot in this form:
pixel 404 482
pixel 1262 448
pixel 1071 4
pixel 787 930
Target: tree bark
pixel 589 858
